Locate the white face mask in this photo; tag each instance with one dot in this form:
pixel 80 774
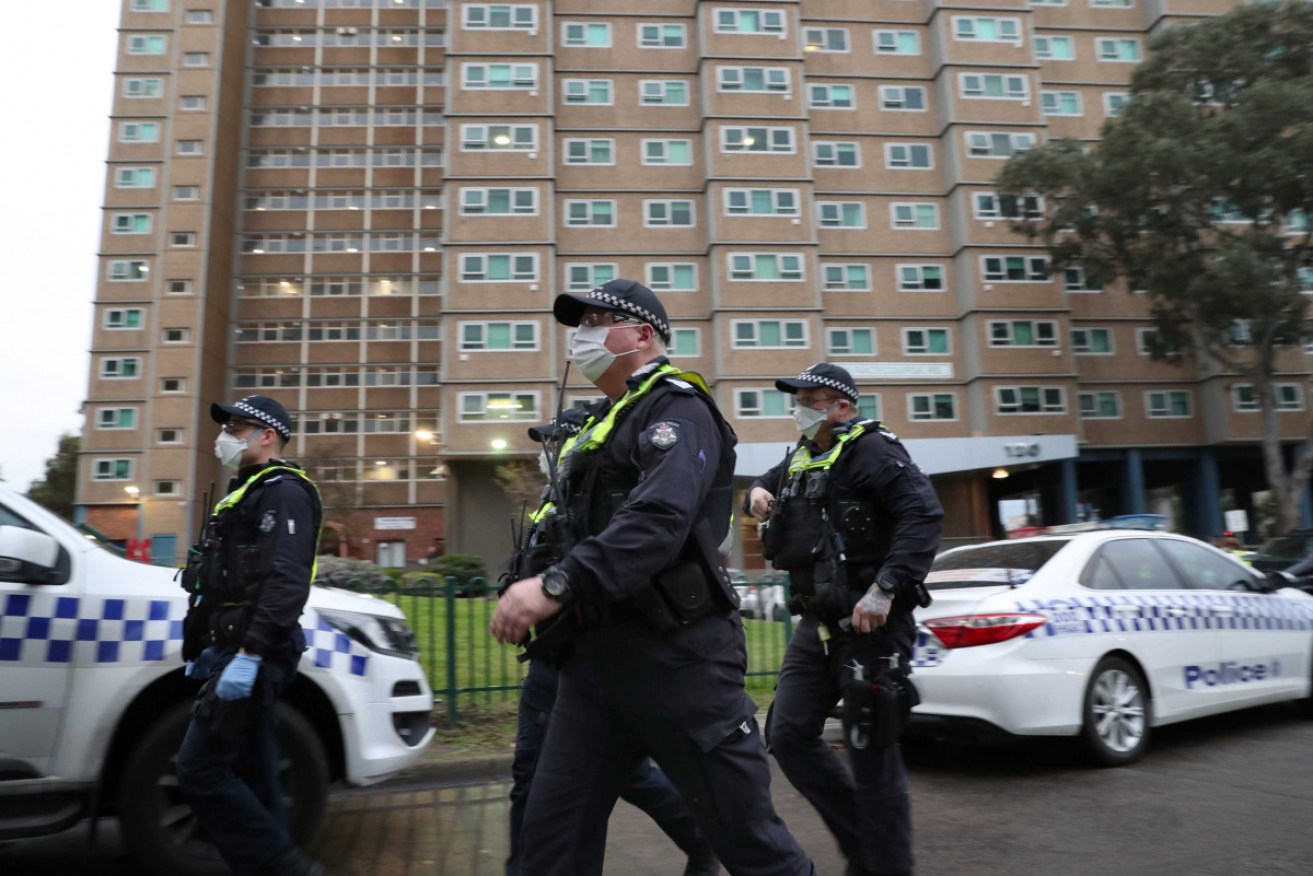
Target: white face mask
pixel 809 420
pixel 229 448
pixel 589 353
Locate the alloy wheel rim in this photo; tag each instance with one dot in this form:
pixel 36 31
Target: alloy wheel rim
pixel 1118 706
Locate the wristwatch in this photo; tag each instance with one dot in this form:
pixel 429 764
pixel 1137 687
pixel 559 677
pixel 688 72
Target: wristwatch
pixel 556 585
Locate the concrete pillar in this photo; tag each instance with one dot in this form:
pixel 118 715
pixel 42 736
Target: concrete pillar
pixel 1133 501
pixel 1208 518
pixel 1068 492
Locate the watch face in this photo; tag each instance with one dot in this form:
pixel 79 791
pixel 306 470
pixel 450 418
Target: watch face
pixel 554 585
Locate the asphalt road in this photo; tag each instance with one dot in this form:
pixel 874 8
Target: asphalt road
pixel 1219 797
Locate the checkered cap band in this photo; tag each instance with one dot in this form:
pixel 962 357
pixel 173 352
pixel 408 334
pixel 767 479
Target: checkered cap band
pixel 642 313
pixel 257 414
pixel 826 381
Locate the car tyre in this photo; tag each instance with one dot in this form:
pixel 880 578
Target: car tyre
pixel 1116 714
pixel 158 826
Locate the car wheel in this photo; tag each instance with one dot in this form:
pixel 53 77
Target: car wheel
pixel 158 826
pixel 1117 713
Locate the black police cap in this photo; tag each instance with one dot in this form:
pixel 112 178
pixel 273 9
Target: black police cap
pixel 259 408
pixel 821 375
pixel 628 296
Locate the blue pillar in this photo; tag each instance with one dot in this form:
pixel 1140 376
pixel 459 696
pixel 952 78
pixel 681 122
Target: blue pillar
pixel 1068 492
pixel 1133 483
pixel 1305 499
pixel 1208 496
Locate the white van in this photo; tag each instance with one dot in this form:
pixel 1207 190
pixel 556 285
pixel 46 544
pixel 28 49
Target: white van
pixel 93 701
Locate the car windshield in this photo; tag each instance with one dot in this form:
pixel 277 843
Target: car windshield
pixel 1006 564
pixel 1290 547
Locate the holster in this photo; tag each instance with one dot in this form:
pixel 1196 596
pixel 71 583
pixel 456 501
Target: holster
pixel 696 586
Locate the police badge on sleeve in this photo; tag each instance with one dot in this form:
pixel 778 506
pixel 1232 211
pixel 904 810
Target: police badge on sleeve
pixel 664 435
pixel 268 522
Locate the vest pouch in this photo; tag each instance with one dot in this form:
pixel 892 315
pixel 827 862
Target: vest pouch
pixel 676 597
pixel 228 624
pixel 801 534
pixel 856 521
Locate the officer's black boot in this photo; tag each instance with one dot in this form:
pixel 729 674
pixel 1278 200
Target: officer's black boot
pixel 703 863
pixel 290 862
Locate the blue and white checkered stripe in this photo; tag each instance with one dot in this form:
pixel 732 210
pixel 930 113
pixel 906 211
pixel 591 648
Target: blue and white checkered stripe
pixel 928 650
pixel 51 630
pixel 1167 612
pixel 330 648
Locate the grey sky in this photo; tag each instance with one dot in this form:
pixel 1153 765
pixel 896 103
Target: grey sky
pixel 56 85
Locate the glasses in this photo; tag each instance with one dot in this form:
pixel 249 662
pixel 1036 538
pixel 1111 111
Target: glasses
pixel 232 427
pixel 614 317
pixel 812 402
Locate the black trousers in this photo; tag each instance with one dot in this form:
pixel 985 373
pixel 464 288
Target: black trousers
pixel 864 801
pixel 626 694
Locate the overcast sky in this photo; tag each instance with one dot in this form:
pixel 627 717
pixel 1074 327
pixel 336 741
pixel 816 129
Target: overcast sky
pixel 56 83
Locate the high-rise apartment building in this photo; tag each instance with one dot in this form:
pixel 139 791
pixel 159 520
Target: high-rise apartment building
pixel 364 208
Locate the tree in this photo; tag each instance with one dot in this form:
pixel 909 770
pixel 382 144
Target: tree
pixel 57 491
pixel 1199 193
pixel 522 482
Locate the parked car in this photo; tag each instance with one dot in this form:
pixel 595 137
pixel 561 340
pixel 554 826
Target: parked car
pixel 1103 636
pixel 761 599
pixel 93 702
pixel 1284 551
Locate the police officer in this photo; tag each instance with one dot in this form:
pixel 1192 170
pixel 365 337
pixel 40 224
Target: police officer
pixel 856 524
pixel 658 652
pixel 248 580
pixel 648 788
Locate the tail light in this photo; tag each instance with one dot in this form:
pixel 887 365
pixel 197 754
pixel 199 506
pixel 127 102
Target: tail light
pixel 969 630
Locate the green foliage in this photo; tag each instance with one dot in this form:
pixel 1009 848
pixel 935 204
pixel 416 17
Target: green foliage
pixel 349 574
pixel 462 567
pixel 57 490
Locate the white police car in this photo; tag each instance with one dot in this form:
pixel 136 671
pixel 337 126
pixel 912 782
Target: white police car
pixel 1103 634
pixel 93 702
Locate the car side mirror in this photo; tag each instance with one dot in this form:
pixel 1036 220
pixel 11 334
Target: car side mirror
pixel 1276 579
pixel 27 556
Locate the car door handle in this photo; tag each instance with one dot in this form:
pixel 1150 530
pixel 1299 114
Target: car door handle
pixel 1130 610
pixel 1177 611
pixel 1223 611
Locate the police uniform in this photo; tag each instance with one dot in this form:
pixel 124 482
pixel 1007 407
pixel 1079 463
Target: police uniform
pixel 248 581
pixel 647 487
pixel 858 513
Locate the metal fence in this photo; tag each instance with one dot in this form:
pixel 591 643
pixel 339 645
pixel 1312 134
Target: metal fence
pixel 468 669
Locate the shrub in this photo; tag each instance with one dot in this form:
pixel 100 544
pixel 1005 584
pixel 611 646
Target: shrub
pixel 359 575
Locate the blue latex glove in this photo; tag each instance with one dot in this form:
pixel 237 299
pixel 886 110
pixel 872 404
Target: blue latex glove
pixel 203 666
pixel 238 678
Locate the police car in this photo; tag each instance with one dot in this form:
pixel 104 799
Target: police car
pixel 93 702
pixel 1104 635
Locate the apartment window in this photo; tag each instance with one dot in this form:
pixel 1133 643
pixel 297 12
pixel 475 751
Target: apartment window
pixel 190 147
pixel 499 17
pixel 1169 404
pixel 763 403
pixel 143 87
pixel 832 153
pixel 168 436
pixel 120 368
pixel 908 156
pixel 765 266
pixel 986 30
pixel 485 407
pixel 119 318
pixel 663 92
pixel 168 488
pixel 596 213
pixel 173 385
pixel 498 267
pixel 904 98
pixel 1091 341
pixel 920 278
pixel 134 178
pixel 769 333
pixel 1029 400
pixel 1146 340
pixel 931 406
pixel 1055 48
pixel 142 44
pixel 1074 280
pixel 990 205
pixel 846 277
pixel 499 335
pixel 127 270
pixel 661 36
pixel 686 342
pixel 581 277
pixel 1023 333
pixel 841 214
pixel 494 202
pixel 921 217
pixel 825 39
pixel 139 132
pixel 661 213
pixel 761 202
pixel 1304 279
pixel 752 79
pixel 1115 49
pixel 1113 102
pixel 896 42
pixel 1288 397
pixel 670 152
pixel 179 287
pixel 589 151
pixel 1060 103
pixel 191 102
pixel 509 138
pixel 1113 4
pixel 997 144
pixel 186 193
pixel 749 21
pixel 176 335
pixel 182 238
pixel 734 139
pixel 672 276
pixel 131 223
pixel 150 6
pixel 1014 269
pixel 926 342
pixel 196 59
pixel 586 34
pixel 830 97
pixel 199 16
pixel 1100 405
pixel 994 86
pixel 850 341
pixel 592 91
pixel 504 77
pixel 112 470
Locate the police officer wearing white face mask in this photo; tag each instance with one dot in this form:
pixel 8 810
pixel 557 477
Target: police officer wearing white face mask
pixel 248 581
pixel 856 524
pixel 657 654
